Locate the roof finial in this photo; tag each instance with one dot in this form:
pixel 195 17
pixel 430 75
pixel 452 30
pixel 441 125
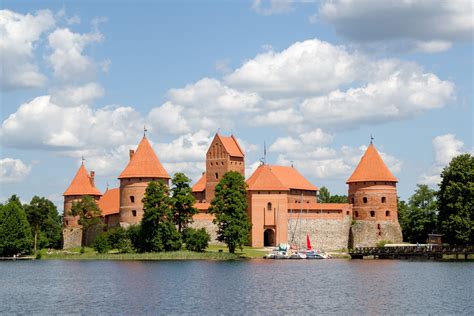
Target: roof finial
pixel 83 159
pixel 291 163
pixel 107 189
pixel 218 130
pixel 371 139
pixel 263 160
pixel 144 130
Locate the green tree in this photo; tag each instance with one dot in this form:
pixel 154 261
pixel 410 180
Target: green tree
pixel 101 243
pixel 324 196
pixel 456 200
pixel 196 239
pixel 15 232
pixel 157 231
pixel 89 215
pixel 43 217
pixel 421 215
pixel 182 201
pixel 230 210
pixel 402 207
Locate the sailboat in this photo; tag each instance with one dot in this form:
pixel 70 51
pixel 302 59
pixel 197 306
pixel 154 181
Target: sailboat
pixel 311 253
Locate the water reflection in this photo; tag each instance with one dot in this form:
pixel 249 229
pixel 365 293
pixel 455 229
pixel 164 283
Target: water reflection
pixel 256 286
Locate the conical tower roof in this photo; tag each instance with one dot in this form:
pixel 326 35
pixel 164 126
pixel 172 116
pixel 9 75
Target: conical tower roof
pixel 371 168
pixel 144 163
pixel 268 177
pixel 82 184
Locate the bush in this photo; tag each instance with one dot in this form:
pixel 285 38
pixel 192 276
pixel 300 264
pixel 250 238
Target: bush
pixel 382 243
pixel 39 255
pixel 118 239
pixel 133 234
pixel 196 239
pixel 101 244
pixel 82 250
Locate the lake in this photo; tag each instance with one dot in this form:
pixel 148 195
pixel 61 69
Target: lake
pixel 237 287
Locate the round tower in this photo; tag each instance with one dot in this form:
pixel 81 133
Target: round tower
pixel 373 195
pixel 82 184
pixel 143 167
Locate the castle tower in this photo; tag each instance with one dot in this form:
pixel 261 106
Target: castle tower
pixel 373 194
pixel 143 167
pixel 82 184
pixel 223 155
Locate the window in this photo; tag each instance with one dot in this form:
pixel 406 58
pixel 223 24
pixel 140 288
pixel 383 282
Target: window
pixel 222 163
pixel 211 163
pixel 352 200
pixel 134 213
pixel 269 206
pixel 364 199
pixel 387 213
pixel 384 199
pixel 217 175
pixel 356 214
pixel 67 223
pixel 372 213
pixel 132 199
pixel 378 226
pixel 347 212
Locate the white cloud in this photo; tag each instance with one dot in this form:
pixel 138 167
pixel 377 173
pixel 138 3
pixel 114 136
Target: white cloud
pixel 305 68
pixel 168 118
pixel 432 22
pixel 67 58
pixel 19 35
pixel 272 7
pixel 445 148
pixel 77 95
pixel 288 117
pixel 43 124
pixel 13 170
pixel 433 46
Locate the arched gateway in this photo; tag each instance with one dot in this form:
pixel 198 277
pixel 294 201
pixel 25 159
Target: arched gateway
pixel 269 238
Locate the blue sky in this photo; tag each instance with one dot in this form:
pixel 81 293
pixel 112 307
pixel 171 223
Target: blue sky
pixel 313 80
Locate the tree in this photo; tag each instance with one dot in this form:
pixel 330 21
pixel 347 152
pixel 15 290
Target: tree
pixel 420 216
pixel 15 232
pixel 456 200
pixel 157 231
pixel 89 215
pixel 182 201
pixel 196 239
pixel 324 196
pixel 43 217
pixel 230 209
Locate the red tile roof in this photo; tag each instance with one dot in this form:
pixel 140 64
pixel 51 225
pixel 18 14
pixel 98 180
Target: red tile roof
pixel 144 163
pixel 200 185
pixel 202 206
pixel 231 146
pixel 371 168
pixel 82 184
pixel 109 203
pixel 268 177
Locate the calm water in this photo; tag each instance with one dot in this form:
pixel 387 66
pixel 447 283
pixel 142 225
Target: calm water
pixel 244 287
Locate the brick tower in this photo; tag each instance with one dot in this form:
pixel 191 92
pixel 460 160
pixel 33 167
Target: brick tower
pixel 82 184
pixel 373 194
pixel 143 167
pixel 223 155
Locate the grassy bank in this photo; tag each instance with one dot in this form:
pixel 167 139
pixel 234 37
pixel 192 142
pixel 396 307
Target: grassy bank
pixel 212 253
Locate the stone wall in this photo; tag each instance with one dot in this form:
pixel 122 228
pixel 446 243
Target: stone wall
pixel 72 237
pixel 210 227
pixel 325 234
pixel 369 233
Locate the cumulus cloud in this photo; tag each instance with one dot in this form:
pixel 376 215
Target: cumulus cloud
pixel 430 25
pixel 13 170
pixel 272 7
pixel 77 95
pixel 18 37
pixel 67 58
pixel 445 148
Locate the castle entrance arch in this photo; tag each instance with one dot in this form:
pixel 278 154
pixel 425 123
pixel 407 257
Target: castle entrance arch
pixel 269 238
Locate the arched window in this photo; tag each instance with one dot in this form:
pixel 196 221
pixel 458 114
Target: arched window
pixel 387 213
pixel 372 213
pixel 364 199
pixel 384 199
pixel 134 213
pixel 269 206
pixel 217 175
pixel 132 199
pixel 352 200
pixel 356 214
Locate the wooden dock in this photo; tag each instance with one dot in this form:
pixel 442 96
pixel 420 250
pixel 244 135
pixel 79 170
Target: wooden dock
pixel 428 252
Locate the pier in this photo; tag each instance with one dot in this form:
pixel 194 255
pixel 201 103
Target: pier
pixel 428 252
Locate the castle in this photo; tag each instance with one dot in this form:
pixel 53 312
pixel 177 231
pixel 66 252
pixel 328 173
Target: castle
pixel 282 203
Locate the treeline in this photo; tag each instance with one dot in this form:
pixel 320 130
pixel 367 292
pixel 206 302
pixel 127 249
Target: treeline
pixel 448 210
pixel 27 227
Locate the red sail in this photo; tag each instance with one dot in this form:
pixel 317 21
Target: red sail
pixel 308 242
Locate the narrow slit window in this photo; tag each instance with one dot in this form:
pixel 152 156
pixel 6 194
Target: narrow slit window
pixel 132 199
pixel 372 213
pixel 384 199
pixel 364 200
pixel 269 206
pixel 134 213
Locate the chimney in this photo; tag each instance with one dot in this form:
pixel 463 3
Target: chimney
pixel 92 177
pixel 131 152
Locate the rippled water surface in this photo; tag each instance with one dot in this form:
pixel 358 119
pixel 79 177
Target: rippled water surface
pixel 241 287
